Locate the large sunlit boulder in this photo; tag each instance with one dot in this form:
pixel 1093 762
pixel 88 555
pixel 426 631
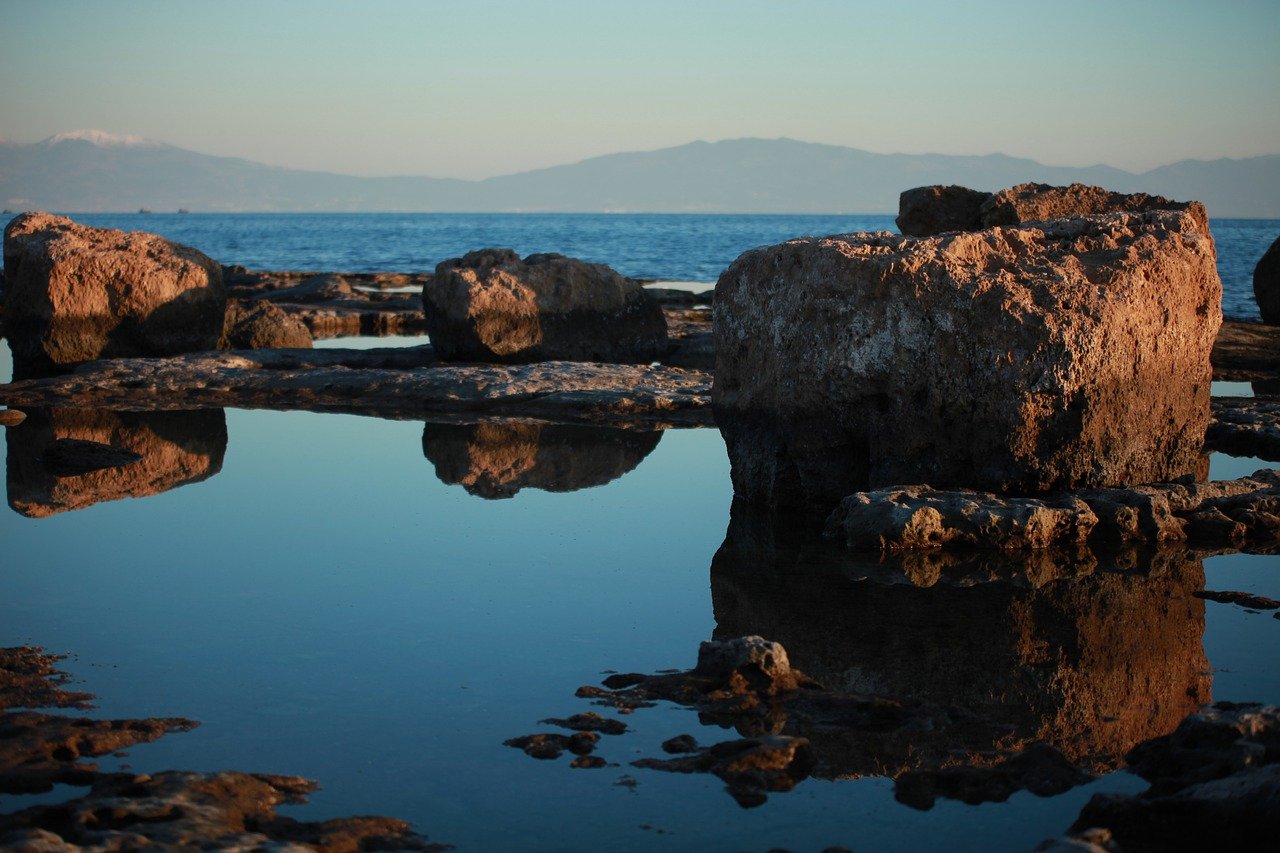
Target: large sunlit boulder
pixel 75 293
pixel 491 306
pixel 1069 354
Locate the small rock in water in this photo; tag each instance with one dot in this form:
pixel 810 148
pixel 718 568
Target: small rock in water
pixel 11 417
pixel 1244 599
pixel 70 457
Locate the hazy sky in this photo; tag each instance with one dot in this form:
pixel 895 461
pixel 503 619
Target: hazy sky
pixel 472 89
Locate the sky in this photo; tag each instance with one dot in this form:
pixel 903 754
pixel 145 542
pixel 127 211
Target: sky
pixel 481 88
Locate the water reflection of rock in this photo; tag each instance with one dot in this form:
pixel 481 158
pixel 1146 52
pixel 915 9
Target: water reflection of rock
pixel 1091 655
pixel 176 448
pixel 496 459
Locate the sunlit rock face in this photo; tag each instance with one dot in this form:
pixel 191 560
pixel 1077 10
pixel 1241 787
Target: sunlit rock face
pixel 491 306
pixel 1088 654
pixel 1023 360
pixel 176 448
pixel 496 459
pixel 75 293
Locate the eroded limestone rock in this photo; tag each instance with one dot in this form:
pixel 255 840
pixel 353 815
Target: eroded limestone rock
pixel 1033 202
pixel 1071 354
pixel 262 325
pixel 75 293
pixel 491 306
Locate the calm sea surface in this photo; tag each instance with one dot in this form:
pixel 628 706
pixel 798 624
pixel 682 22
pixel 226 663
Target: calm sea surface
pixel 363 602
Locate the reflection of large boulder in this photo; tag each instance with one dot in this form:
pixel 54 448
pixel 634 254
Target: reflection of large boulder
pixel 1091 663
pixel 75 293
pixel 1070 354
pixel 496 459
pixel 491 306
pixel 176 448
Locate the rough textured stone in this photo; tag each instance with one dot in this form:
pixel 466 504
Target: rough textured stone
pixel 1032 202
pixel 1266 284
pixel 925 211
pixel 496 459
pixel 1245 426
pixel 29 679
pixel 491 306
pixel 1073 354
pixel 380 382
pixel 76 293
pixel 262 325
pixel 170 449
pixel 1246 351
pixel 1225 512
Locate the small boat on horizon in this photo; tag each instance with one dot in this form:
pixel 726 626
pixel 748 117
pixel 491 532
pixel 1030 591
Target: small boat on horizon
pixel 183 210
pixel 143 210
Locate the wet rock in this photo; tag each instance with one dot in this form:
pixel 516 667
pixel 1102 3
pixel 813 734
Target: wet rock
pixel 262 325
pixel 750 767
pixel 1215 784
pixel 1227 512
pixel 1071 354
pixel 351 381
pixel 29 678
pixel 38 751
pixel 11 417
pixel 326 287
pixel 1093 840
pixel 1266 284
pixel 680 744
pixel 925 211
pixel 916 517
pixel 491 306
pixel 197 811
pixel 549 746
pixel 76 293
pixel 1245 426
pixel 1244 599
pixel 1033 202
pixel 1039 768
pixel 496 459
pixel 68 459
pixel 590 722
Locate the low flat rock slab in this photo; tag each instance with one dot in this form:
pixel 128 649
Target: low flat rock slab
pixel 1245 426
pixel 306 379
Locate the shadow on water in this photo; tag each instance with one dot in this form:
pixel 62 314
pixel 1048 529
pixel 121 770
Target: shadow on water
pixel 176 448
pixel 496 459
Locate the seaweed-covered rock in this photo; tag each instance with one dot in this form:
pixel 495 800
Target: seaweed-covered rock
pixel 1070 354
pixel 75 293
pixel 491 306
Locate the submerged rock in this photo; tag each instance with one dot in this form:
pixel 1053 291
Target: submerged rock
pixel 491 306
pixel 496 459
pixel 1266 284
pixel 75 293
pixel 262 325
pixel 132 454
pixel 1071 354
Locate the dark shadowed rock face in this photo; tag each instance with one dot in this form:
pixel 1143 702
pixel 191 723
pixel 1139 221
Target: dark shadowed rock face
pixel 1266 284
pixel 75 293
pixel 1073 354
pixel 496 459
pixel 262 325
pixel 175 448
pixel 925 211
pixel 491 306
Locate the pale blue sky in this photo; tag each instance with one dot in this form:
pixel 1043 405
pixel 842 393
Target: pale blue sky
pixel 471 89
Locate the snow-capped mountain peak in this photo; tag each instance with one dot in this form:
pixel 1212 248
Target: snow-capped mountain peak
pixel 103 139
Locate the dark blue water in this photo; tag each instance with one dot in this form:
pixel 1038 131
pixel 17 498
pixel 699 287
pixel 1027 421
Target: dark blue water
pixel 333 603
pixel 675 247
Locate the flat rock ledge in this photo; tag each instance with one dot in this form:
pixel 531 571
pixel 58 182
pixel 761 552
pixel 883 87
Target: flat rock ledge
pixel 1245 426
pixel 1236 513
pixel 382 382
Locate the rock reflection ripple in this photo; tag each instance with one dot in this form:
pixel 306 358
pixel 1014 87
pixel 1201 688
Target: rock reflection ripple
pixel 1086 652
pixel 495 459
pixel 176 448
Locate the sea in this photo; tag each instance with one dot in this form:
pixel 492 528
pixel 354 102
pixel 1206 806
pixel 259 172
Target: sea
pixel 378 604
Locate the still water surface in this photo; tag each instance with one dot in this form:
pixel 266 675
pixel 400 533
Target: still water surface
pixel 343 598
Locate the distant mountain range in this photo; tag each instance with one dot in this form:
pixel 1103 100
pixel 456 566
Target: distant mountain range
pixel 90 171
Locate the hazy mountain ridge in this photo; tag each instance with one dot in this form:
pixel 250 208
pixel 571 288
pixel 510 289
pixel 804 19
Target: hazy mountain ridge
pixel 85 171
